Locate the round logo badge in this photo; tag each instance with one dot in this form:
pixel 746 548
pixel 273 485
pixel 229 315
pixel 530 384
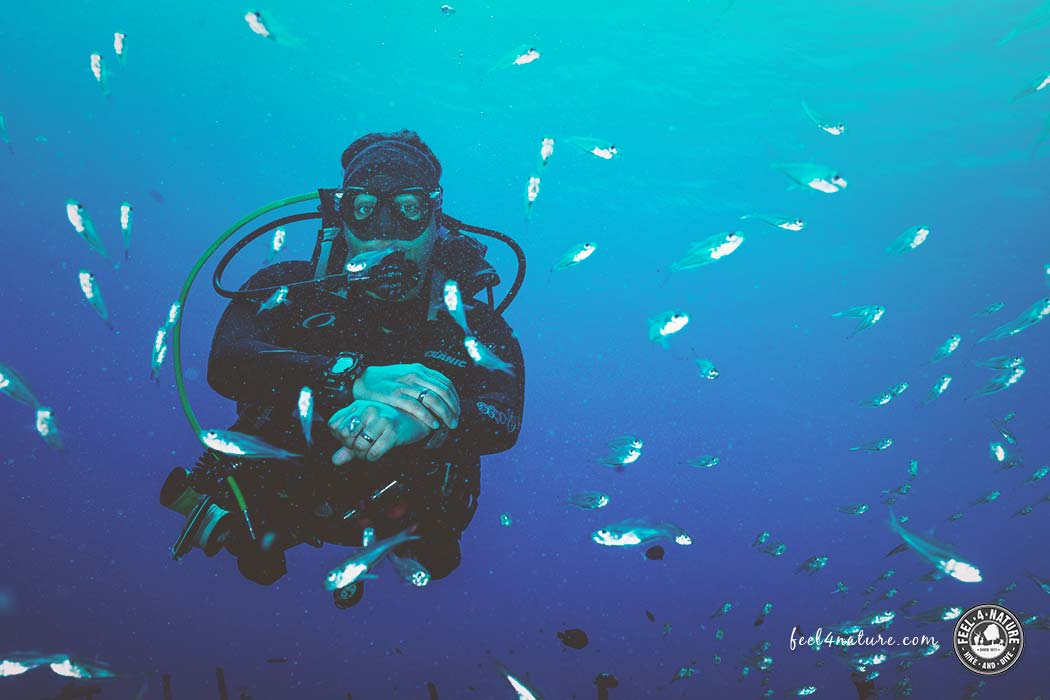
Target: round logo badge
pixel 988 639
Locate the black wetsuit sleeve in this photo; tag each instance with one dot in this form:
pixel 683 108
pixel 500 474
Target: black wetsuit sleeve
pixel 248 363
pixel 491 401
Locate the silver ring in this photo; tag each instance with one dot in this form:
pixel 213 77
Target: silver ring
pixel 368 438
pixel 422 395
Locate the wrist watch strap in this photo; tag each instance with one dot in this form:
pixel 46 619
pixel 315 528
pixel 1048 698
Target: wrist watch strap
pixel 340 376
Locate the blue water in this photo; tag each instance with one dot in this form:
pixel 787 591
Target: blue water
pixel 208 121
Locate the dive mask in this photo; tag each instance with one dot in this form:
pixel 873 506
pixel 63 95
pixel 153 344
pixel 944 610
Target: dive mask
pixel 402 214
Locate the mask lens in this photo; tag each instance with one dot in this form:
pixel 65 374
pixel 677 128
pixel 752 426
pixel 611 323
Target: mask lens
pixel 401 215
pixel 363 206
pixel 409 206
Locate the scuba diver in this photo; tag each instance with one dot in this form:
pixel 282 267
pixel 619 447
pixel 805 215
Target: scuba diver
pixel 360 365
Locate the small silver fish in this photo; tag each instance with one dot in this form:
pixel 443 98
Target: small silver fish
pixel 588 500
pixel 707 369
pixel 990 309
pixel 709 250
pixel 788 223
pixel 873 446
pixel 358 565
pixel 666 324
pixel 1001 362
pixel 624 450
pixel 160 351
pixel 880 399
pixel 813 564
pixel 946 561
pixel 362 264
pixel 12 666
pixel 257 25
pixel 82 224
pixel 1035 86
pixel 869 314
pixel 1003 381
pixel 704 462
pixel 305 408
pixel 526 57
pixel 46 427
pixel 242 445
pixel 722 611
pixel 817 177
pixel 1038 475
pixel 409 570
pixel 989 497
pixel 173 313
pixel 909 240
pixel 826 125
pixel 454 305
pixel 125 228
pixel 997 451
pixel 276 299
pixel 277 244
pixel 12 384
pixel 523 691
pixel 75 668
pixel 943 614
pixel 120 46
pixel 484 357
pixel 939 387
pixel 89 286
pixel 99 71
pixel 947 348
pixel 546 150
pixel 775 550
pixel 598 148
pixel 532 193
pixel 1000 424
pixel 575 256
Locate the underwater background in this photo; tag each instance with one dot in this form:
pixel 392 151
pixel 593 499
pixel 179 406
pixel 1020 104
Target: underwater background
pixel 206 121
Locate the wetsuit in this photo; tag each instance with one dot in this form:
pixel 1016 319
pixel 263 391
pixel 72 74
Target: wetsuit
pixel 263 359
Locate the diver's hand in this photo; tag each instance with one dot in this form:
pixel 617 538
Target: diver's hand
pixel 401 387
pixel 387 427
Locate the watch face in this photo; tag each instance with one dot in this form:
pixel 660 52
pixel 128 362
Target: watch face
pixel 344 364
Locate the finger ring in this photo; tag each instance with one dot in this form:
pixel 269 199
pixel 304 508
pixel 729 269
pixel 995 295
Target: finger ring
pixel 422 395
pixel 368 438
